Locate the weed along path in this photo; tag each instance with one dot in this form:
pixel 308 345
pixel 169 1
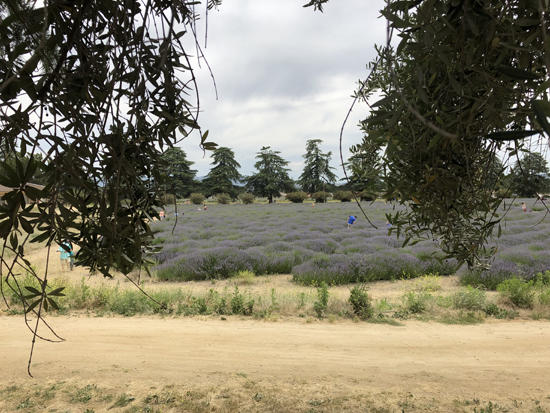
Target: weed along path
pixel 286 365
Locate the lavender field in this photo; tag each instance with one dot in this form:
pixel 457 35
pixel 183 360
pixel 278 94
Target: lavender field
pixel 314 244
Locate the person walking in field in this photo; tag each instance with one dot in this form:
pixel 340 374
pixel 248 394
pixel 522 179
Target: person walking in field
pixel 66 255
pixel 351 220
pixel 523 207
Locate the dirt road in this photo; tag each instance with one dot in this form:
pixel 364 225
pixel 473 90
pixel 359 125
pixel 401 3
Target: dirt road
pixel 504 361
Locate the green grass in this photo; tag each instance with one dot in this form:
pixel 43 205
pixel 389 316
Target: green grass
pixel 245 296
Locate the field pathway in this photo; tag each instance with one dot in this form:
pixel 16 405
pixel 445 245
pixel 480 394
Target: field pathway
pixel 496 360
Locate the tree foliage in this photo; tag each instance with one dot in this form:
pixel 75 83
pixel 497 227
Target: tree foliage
pixel 366 168
pixel 296 197
pixel 271 177
pixel 529 176
pixel 224 173
pixel 465 80
pixel 100 89
pixel 317 170
pixel 178 177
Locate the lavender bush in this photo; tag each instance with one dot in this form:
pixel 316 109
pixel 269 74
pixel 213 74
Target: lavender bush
pixel 315 245
pixel 522 248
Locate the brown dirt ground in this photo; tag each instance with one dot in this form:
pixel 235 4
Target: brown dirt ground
pixel 245 365
pixel 207 364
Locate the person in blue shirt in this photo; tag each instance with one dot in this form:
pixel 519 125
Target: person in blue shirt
pixel 66 255
pixel 351 220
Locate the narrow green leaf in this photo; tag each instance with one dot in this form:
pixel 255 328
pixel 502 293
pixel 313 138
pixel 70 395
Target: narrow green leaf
pixel 57 292
pixel 519 74
pixel 542 113
pixel 33 290
pixel 32 306
pixel 53 303
pixel 511 135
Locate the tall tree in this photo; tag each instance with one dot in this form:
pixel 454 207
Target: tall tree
pixel 224 173
pixel 177 174
pixel 530 176
pixel 272 176
pixel 317 170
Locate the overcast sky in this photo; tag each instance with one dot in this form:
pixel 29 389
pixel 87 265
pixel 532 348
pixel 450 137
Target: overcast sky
pixel 285 74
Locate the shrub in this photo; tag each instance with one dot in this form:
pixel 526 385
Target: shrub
pixel 237 302
pixel 199 305
pixel 320 306
pixel 223 199
pixel 489 279
pixel 542 279
pixel 247 198
pixel 429 283
pixel 544 297
pixel 197 198
pixel 220 306
pixel 244 277
pixel 296 197
pixel 360 302
pixel 343 196
pixel 416 303
pixel 320 196
pixel 495 311
pixel 517 292
pixel 337 269
pixel 215 263
pixel 469 299
pixel 367 196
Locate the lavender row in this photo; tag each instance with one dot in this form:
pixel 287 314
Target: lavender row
pixel 315 244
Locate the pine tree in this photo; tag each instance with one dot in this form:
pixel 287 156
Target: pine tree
pixel 272 176
pixel 179 177
pixel 224 173
pixel 317 171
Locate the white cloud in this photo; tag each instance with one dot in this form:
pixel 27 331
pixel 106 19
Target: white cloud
pixel 285 74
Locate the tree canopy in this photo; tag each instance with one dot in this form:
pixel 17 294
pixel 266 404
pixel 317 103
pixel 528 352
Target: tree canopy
pixel 178 177
pixel 366 169
pixel 317 170
pixel 464 81
pixel 224 173
pixel 271 177
pixel 529 176
pixel 100 89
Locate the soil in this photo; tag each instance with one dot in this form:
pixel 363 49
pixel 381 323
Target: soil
pixel 230 364
pixel 291 365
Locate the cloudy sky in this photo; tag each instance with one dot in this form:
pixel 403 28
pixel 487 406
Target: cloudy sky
pixel 285 74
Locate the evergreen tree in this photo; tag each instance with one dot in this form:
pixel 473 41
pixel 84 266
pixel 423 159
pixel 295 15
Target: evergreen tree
pixel 530 176
pixel 272 176
pixel 224 173
pixel 178 176
pixel 317 171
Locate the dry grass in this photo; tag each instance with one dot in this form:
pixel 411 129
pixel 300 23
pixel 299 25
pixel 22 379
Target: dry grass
pixel 238 393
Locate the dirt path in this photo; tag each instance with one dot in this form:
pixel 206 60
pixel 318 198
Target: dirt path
pixel 493 361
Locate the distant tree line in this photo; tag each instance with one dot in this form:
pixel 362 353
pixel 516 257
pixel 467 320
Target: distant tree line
pixel 366 175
